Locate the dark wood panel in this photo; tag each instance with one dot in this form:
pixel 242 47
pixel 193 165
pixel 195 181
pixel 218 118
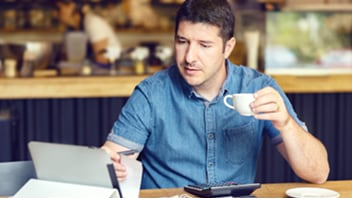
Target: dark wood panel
pixel 87 121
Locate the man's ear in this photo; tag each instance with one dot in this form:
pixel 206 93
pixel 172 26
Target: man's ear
pixel 229 46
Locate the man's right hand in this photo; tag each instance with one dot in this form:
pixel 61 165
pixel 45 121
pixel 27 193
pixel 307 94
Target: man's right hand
pixel 120 169
pixel 113 150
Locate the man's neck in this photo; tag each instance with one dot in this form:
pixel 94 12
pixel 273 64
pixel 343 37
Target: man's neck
pixel 211 89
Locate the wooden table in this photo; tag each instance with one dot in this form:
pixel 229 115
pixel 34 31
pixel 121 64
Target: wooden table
pixel 277 190
pixel 344 187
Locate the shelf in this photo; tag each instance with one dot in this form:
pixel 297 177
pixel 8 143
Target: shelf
pixel 309 6
pixel 57 30
pixel 319 7
pixel 272 1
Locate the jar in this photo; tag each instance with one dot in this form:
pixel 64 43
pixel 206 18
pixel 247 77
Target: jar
pixel 10 68
pixel 139 67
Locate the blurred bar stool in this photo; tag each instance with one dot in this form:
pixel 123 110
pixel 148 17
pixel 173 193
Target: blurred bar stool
pixel 13 175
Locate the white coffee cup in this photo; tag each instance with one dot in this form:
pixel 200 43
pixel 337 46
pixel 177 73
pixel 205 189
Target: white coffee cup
pixel 241 103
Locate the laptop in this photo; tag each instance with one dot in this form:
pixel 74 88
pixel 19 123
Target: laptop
pixel 72 164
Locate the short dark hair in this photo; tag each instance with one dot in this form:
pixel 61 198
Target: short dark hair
pixel 213 12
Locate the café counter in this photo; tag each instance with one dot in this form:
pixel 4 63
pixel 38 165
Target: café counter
pixel 122 86
pixel 68 87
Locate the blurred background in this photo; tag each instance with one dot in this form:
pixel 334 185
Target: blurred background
pixel 306 45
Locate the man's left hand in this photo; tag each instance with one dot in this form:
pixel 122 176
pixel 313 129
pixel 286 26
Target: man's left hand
pixel 269 105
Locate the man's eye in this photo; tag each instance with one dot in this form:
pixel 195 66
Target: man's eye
pixel 205 45
pixel 180 41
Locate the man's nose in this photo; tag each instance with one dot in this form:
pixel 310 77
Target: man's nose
pixel 191 53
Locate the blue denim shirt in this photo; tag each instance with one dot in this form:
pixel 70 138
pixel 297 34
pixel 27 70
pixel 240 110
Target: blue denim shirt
pixel 184 139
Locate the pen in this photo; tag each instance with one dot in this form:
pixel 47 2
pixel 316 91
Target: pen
pixel 128 152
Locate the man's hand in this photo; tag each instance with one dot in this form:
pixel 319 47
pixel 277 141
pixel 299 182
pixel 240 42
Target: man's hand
pixel 269 105
pixel 120 169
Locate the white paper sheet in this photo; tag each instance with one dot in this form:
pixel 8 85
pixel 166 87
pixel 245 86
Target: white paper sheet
pixel 35 188
pixel 131 186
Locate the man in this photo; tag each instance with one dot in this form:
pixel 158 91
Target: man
pixel 184 133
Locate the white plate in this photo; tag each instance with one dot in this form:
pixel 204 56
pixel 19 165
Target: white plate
pixel 309 192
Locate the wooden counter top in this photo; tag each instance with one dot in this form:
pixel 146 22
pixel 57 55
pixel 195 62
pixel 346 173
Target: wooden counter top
pixel 122 86
pixel 68 87
pixel 315 83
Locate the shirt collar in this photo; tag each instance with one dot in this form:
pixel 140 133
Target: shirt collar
pixel 189 91
pixel 226 86
pixel 176 76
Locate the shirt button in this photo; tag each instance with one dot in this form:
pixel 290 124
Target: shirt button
pixel 210 164
pixel 210 136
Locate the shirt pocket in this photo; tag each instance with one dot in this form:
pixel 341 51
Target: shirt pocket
pixel 240 143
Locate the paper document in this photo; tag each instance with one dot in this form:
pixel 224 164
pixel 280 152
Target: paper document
pixel 35 188
pixel 131 186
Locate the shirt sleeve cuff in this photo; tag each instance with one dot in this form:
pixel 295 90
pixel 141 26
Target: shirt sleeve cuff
pixel 276 140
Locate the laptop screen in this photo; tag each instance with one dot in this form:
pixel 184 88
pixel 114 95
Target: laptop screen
pixel 71 164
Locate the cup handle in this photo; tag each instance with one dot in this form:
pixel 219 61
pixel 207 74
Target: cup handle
pixel 227 104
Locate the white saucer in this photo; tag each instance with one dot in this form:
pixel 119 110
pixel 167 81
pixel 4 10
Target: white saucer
pixel 309 192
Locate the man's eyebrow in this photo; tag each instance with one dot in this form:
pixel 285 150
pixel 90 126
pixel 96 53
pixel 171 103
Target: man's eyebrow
pixel 200 41
pixel 179 37
pixel 206 41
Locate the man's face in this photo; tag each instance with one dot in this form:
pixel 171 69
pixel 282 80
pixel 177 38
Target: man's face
pixel 200 54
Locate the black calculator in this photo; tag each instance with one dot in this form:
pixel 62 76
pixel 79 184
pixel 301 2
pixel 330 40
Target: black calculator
pixel 222 189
